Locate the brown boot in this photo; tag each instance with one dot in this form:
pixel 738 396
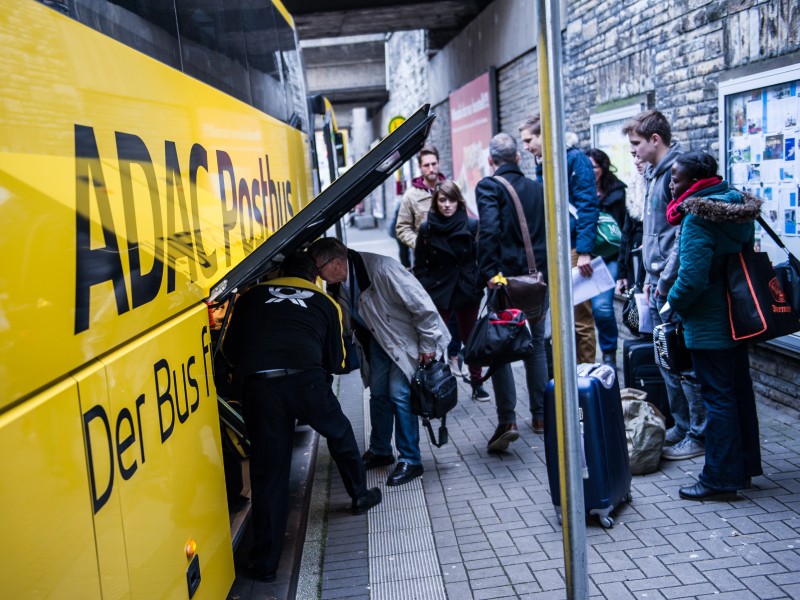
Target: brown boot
pixel 503 436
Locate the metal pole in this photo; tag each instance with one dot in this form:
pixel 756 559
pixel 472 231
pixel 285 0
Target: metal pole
pixel 559 266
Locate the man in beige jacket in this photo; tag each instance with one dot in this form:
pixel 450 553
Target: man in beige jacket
pixel 416 201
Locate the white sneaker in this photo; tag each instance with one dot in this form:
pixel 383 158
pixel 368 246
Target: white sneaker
pixel 688 448
pixel 673 436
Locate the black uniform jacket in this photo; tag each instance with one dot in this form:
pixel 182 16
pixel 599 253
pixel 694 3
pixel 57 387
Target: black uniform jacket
pixel 285 323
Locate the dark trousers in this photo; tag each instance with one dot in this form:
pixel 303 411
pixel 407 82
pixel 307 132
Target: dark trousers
pixel 465 320
pixel 270 409
pixel 733 450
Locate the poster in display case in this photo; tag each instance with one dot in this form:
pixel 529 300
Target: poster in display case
pixel 759 133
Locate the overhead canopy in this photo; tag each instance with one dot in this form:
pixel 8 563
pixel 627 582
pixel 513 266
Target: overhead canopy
pixel 331 205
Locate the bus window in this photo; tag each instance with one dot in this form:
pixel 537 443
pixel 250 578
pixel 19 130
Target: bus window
pixel 293 77
pixel 212 45
pixel 264 60
pixel 145 25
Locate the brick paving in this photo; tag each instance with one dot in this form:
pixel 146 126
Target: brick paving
pixel 496 534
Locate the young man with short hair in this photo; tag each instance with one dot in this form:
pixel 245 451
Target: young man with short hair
pixel 417 200
pixel 582 225
pixel 650 136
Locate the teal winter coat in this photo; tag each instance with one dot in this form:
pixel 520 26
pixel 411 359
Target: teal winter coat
pixel 718 221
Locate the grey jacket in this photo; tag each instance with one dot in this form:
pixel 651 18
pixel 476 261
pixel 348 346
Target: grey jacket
pixel 659 250
pixel 399 314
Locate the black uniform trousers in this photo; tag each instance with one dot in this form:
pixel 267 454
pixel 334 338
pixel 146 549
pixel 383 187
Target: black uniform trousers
pixel 270 407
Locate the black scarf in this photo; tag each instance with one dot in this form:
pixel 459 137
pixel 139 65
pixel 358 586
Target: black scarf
pixel 448 226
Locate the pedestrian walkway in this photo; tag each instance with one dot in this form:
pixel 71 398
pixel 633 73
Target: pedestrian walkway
pixel 481 525
pixel 486 527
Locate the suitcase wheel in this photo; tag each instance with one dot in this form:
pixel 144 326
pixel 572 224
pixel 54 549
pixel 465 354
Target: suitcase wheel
pixel 606 522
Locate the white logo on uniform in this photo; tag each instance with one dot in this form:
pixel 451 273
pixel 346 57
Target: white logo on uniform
pixel 293 295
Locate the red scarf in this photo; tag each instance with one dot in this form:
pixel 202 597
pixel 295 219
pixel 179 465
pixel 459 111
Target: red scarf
pixel 674 217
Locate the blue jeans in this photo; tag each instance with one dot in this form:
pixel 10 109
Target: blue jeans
pixel 390 405
pixel 505 392
pixel 685 397
pixel 733 450
pixel 604 317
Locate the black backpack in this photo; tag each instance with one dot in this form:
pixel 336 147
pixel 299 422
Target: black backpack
pixel 434 392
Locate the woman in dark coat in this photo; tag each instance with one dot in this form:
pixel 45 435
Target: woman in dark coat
pixel 716 221
pixel 445 264
pixel 611 194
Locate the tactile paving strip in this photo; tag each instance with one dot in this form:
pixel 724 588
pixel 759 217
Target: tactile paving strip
pixel 402 553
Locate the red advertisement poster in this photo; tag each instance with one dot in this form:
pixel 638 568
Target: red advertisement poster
pixel 471 129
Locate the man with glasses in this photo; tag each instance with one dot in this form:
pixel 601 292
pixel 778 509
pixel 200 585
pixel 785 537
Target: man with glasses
pixel 397 327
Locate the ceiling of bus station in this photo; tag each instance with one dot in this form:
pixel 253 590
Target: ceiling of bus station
pixel 343 41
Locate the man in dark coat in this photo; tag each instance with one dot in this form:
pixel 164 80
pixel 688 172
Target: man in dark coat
pixel 284 339
pixel 501 250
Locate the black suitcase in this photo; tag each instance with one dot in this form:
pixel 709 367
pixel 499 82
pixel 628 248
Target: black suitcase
pixel 607 471
pixel 641 372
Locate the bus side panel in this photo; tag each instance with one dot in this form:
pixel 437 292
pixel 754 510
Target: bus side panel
pixel 47 548
pixel 127 189
pixel 167 460
pixel 99 434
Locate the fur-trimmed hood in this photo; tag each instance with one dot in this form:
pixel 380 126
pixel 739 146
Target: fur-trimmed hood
pixel 723 206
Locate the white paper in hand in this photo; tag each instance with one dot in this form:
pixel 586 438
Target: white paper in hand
pixel 585 288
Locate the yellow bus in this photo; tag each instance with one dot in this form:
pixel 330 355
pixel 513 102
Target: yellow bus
pixel 146 148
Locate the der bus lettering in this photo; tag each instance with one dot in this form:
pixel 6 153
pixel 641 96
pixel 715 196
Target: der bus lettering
pixel 177 397
pixel 249 210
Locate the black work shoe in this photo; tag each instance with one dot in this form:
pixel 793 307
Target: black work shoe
pixel 372 460
pixel 363 503
pixel 503 436
pixel 700 491
pixel 403 473
pixel 260 573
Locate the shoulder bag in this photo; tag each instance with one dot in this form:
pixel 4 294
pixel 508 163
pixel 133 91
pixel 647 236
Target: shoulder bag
pixel 527 292
pixel 763 301
pixel 670 348
pixel 434 393
pixel 607 233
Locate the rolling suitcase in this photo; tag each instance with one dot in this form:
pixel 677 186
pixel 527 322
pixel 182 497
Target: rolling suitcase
pixel 606 470
pixel 641 372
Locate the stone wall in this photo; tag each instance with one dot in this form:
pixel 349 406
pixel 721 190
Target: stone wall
pixel 775 375
pixel 676 50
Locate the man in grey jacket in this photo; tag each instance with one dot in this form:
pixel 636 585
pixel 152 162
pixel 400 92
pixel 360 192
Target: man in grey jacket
pixel 651 141
pixel 397 327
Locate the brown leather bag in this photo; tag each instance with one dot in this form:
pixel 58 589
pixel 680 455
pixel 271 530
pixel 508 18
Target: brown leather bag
pixel 527 292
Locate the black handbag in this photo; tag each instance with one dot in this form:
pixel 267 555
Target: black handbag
pixel 434 393
pixel 670 347
pixel 527 292
pixel 630 313
pixel 760 304
pixel 499 336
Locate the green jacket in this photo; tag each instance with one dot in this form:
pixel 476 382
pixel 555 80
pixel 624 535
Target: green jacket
pixel 718 221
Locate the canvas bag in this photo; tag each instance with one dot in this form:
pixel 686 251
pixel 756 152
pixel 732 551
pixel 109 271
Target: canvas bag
pixel 527 292
pixel 645 431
